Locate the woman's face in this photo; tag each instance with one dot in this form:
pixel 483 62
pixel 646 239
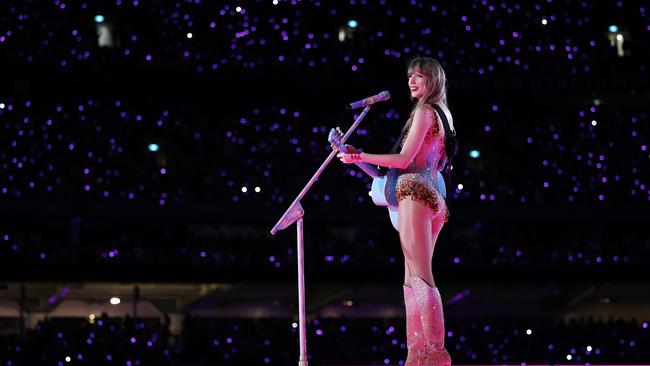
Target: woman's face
pixel 417 83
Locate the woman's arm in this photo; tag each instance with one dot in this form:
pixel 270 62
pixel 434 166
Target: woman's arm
pixel 422 120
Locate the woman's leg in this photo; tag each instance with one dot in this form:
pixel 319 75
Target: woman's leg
pixel 419 230
pixel 415 223
pixel 415 340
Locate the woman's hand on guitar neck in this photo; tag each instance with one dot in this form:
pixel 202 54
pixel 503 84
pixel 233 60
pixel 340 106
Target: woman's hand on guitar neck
pixel 349 149
pixel 349 158
pixel 352 149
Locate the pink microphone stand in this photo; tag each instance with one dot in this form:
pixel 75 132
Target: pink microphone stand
pixel 295 213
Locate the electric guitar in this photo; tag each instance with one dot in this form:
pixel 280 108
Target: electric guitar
pixel 383 186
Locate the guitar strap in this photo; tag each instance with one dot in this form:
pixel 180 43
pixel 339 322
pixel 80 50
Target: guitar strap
pixel 451 147
pixel 396 147
pixel 382 170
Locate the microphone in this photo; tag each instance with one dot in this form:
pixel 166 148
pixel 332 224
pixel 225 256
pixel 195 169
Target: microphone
pixel 370 100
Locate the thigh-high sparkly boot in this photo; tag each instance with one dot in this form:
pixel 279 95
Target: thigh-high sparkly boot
pixel 414 336
pixel 429 304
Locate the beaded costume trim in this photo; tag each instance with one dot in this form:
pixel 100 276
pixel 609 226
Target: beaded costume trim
pixel 412 184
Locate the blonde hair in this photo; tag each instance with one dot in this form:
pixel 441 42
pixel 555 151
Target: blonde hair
pixel 436 83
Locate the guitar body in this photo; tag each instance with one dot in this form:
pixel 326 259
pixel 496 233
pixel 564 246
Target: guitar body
pixel 384 189
pixel 384 192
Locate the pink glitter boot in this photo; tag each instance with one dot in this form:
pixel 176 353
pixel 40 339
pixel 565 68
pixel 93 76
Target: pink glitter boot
pixel 429 305
pixel 414 337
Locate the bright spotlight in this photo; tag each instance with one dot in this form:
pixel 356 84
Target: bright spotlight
pixel 153 147
pixel 474 154
pixel 115 301
pixel 353 23
pixel 613 28
pixel 99 18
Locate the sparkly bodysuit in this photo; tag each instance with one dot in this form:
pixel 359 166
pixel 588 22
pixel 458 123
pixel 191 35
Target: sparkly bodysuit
pixel 419 179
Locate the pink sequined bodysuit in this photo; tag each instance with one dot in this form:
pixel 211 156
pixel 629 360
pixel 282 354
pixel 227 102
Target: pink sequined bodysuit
pixel 419 179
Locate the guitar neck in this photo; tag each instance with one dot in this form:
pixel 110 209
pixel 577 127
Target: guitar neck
pixel 334 139
pixel 372 171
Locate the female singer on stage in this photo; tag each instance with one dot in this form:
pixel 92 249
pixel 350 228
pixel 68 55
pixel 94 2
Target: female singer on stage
pixel 422 210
